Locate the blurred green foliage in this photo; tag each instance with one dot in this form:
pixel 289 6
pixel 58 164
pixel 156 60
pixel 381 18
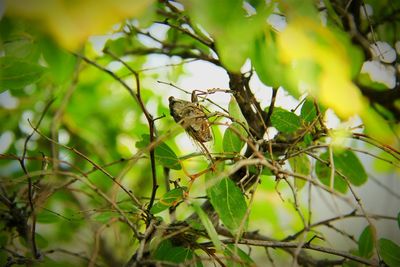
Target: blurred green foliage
pixel 94 170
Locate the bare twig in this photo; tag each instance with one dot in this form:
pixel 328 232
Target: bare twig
pixel 280 244
pixel 32 237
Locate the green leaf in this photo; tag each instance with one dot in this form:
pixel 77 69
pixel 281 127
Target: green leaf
pixel 324 172
pixel 390 252
pixel 265 60
pixel 233 43
pixel 61 62
pixel 231 141
pixel 347 164
pixel 166 251
pixel 169 199
pixel 231 252
pixel 212 233
pixel 41 241
pixel 235 112
pixel 300 164
pixel 308 111
pixel 47 217
pixel 117 47
pixel 285 121
pixel 163 153
pixel 366 242
pixel 365 79
pixel 105 216
pixel 23 46
pixel 228 201
pixel 308 139
pixel 16 73
pixel 182 41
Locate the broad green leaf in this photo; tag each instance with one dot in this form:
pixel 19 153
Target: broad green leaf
pixel 182 40
pixel 366 242
pixel 232 141
pixel 390 252
pixel 47 217
pixel 300 164
pixel 41 241
pixel 308 111
pixel 376 126
pixel 237 257
pixel 228 201
pixel 324 172
pixel 365 79
pixel 308 139
pixel 169 199
pixel 61 62
pixel 212 233
pixel 20 45
pixel 105 216
pixel 166 251
pixel 128 206
pixel 16 73
pixel 347 164
pixel 381 166
pixel 118 46
pixel 285 121
pixel 265 60
pixel 264 171
pixel 163 153
pixel 233 43
pixel 235 112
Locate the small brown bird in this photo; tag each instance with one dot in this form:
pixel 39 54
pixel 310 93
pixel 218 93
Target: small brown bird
pixel 192 117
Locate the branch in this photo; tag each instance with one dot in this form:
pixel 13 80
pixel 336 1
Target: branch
pixel 32 237
pixel 271 106
pixel 246 101
pixel 279 244
pixel 95 165
pixel 150 121
pixel 351 214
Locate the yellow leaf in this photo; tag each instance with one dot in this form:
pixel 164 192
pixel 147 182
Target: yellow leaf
pixel 305 40
pixel 71 22
pixel 341 95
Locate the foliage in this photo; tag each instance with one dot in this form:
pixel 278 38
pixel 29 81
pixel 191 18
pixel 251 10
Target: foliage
pixel 95 171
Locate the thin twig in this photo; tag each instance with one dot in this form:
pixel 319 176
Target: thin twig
pixel 32 236
pixel 150 122
pixel 280 244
